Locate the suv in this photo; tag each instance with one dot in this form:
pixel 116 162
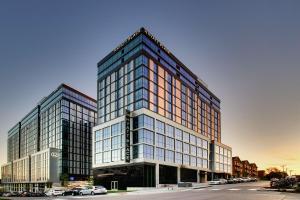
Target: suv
pixel 93 190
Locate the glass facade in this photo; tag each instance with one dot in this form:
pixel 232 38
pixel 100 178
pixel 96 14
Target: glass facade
pixel 151 139
pixel 63 121
pixel 223 159
pixel 144 83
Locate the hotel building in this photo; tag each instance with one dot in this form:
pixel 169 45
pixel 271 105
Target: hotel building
pixel 158 123
pixel 51 143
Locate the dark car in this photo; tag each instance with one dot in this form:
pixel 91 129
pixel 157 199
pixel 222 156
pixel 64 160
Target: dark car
pixel 230 181
pixel 73 192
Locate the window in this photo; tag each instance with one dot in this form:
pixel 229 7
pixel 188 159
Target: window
pixel 141 94
pixel 106 132
pixel 178 158
pixel 137 151
pixel 204 144
pixel 199 142
pixel 98 135
pixel 178 146
pixel 186 148
pixel 160 127
pixel 193 150
pixel 141 71
pixel 106 144
pixel 178 134
pixel 205 153
pixel 193 161
pixel 186 159
pixel 160 140
pixel 116 155
pixel 141 83
pixel 143 121
pixel 160 154
pixel 199 152
pixel 116 129
pixel 186 137
pixel 199 162
pixel 116 142
pixel 192 139
pixel 98 147
pixel 98 158
pixel 143 135
pixel 169 130
pixel 107 157
pixel 169 156
pixel 169 143
pixel 148 152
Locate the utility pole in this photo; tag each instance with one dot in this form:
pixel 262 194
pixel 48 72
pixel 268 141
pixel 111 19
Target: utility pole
pixel 291 172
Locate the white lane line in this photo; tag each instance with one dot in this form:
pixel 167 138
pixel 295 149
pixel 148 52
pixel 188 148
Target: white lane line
pixel 215 189
pixel 254 189
pixel 234 189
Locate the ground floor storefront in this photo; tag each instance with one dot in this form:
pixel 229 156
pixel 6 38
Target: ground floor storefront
pixel 31 187
pixel 145 175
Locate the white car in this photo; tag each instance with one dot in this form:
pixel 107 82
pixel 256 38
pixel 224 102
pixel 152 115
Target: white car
pixel 223 181
pixel 217 181
pixel 214 182
pixel 93 190
pixel 55 192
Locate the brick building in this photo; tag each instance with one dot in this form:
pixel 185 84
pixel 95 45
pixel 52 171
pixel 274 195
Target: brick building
pixel 242 168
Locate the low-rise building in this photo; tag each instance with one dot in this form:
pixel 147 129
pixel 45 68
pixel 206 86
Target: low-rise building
pixel 253 170
pixel 237 167
pixel 242 168
pixel 261 173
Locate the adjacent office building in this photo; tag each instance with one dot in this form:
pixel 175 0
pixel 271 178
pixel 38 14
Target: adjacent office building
pixel 51 143
pixel 158 123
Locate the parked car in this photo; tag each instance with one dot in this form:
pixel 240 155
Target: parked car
pixel 73 192
pixel 55 192
pixel 217 181
pixel 240 180
pixel 11 194
pixel 223 181
pixel 246 179
pixel 93 190
pixel 253 179
pixel 230 181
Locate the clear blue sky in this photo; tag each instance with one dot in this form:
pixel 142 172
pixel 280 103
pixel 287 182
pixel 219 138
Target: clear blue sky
pixel 248 52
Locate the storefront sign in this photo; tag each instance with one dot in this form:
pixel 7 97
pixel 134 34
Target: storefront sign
pixel 127 136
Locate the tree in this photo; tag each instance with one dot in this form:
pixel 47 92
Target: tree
pixel 64 178
pixel 274 172
pixel 91 181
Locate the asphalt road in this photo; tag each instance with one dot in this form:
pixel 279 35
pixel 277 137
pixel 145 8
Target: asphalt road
pixel 243 191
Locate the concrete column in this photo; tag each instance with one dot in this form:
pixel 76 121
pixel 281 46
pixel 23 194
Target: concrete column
pixel 205 177
pixel 198 176
pixel 178 175
pixel 157 174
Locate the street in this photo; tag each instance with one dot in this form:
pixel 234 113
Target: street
pixel 245 191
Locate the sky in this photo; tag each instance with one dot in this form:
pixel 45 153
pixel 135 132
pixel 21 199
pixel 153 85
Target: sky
pixel 248 52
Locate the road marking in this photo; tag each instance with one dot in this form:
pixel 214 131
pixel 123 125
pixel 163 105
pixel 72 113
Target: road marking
pixel 215 189
pixel 234 189
pixel 254 189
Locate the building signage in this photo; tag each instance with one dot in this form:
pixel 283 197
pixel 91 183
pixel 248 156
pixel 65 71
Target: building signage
pixel 127 136
pixel 54 154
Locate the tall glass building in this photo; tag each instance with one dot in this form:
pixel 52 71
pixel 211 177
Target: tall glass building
pixel 158 123
pixel 52 142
